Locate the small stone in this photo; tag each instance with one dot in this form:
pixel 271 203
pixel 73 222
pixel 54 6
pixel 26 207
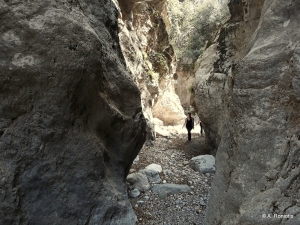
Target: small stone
pixel 134 193
pixel 202 203
pixel 164 181
pixel 132 170
pixel 168 173
pixel 136 160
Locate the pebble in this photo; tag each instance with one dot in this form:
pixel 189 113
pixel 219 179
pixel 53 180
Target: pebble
pixel 202 203
pixel 132 170
pixel 134 193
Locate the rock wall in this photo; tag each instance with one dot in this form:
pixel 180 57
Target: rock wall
pixel 214 79
pixel 184 77
pixel 150 57
pixel 71 122
pixel 257 161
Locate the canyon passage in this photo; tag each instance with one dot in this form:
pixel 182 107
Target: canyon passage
pixel 93 96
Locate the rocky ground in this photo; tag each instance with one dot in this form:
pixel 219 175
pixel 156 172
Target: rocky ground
pixel 173 154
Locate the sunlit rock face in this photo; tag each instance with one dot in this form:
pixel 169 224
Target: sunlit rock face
pixel 71 120
pixel 257 161
pixel 143 32
pixel 184 79
pixel 214 79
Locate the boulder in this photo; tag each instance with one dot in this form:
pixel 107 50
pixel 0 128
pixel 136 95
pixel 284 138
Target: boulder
pixel 203 164
pixel 168 109
pixel 154 167
pixel 134 193
pixel 138 181
pixel 152 175
pixel 164 190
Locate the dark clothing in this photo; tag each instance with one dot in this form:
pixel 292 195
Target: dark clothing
pixel 189 126
pixel 189 134
pixel 201 131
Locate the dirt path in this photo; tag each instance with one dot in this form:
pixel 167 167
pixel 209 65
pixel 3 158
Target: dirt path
pixel 173 154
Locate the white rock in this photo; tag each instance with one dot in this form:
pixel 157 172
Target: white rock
pixel 136 160
pixel 168 109
pixel 155 167
pixel 157 122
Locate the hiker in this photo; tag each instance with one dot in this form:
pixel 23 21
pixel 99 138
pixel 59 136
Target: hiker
pixel 201 128
pixel 189 124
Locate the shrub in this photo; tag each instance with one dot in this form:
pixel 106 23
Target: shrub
pixel 193 23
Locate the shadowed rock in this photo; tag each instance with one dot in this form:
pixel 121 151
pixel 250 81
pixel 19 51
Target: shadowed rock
pixel 71 119
pixel 164 190
pixel 138 181
pixel 255 122
pixel 152 175
pixel 203 164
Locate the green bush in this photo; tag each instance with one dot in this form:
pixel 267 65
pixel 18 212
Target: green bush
pixel 193 23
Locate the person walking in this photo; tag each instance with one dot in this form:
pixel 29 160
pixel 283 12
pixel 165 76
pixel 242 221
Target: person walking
pixel 189 124
pixel 201 128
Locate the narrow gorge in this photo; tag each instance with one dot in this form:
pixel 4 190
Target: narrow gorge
pixel 93 92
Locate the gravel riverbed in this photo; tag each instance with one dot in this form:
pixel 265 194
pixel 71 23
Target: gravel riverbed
pixel 173 155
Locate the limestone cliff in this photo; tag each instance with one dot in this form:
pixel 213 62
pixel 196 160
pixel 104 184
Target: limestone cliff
pixel 214 79
pixel 184 77
pixel 71 122
pixel 151 59
pixel 251 73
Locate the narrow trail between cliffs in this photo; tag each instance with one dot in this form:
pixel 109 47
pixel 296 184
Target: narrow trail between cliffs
pixel 173 153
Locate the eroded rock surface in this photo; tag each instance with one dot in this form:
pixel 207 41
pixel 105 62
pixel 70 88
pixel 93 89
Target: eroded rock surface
pixel 71 122
pixel 184 79
pixel 257 159
pixel 214 79
pixel 151 59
